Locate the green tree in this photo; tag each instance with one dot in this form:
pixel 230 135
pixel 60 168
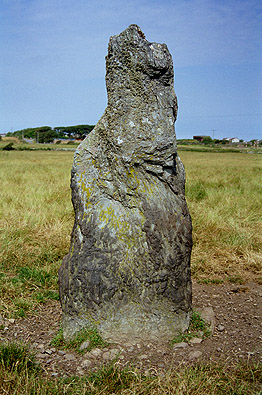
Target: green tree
pixel 207 140
pixel 46 134
pixel 77 132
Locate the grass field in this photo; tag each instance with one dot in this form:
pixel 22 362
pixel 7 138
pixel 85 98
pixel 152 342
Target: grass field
pixel 224 194
pixel 36 218
pixel 23 146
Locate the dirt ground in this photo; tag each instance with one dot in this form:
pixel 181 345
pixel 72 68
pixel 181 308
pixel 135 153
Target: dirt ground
pixel 237 335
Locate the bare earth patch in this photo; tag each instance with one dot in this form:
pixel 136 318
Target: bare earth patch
pixel 237 336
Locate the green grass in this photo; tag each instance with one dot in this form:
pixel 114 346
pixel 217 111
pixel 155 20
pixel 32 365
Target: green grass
pixel 21 376
pixel 210 281
pixel 216 148
pixel 90 334
pixel 16 357
pixel 197 328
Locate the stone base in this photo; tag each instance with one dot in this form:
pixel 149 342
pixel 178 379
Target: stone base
pixel 130 322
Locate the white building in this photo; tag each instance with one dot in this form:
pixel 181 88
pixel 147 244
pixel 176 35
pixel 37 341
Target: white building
pixel 232 139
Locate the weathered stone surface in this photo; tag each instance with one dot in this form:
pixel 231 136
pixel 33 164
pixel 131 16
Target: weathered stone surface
pixel 128 269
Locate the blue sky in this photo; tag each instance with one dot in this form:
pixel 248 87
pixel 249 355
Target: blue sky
pixel 52 65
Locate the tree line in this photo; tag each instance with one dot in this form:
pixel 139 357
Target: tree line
pixel 46 134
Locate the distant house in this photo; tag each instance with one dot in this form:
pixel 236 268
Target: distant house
pixel 199 138
pixel 231 139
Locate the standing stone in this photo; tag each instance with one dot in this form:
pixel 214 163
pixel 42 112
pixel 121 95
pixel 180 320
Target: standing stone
pixel 128 268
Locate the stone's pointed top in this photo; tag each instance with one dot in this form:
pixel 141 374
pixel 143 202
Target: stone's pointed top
pixel 132 30
pixel 131 35
pixel 134 65
pixel 136 29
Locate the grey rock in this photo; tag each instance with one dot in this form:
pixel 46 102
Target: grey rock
pixel 195 340
pixel 106 356
pixel 111 354
pixel 128 267
pixel 80 371
pixel 220 328
pixel 84 345
pixel 208 315
pixel 195 355
pixel 96 352
pixel 115 351
pixel 86 364
pixel 180 345
pixel 40 355
pixel 143 356
pixel 69 357
pixel 48 351
pixel 129 343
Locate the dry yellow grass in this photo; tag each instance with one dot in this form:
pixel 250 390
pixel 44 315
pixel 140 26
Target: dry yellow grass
pixel 208 379
pixel 224 194
pixel 36 217
pixel 6 140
